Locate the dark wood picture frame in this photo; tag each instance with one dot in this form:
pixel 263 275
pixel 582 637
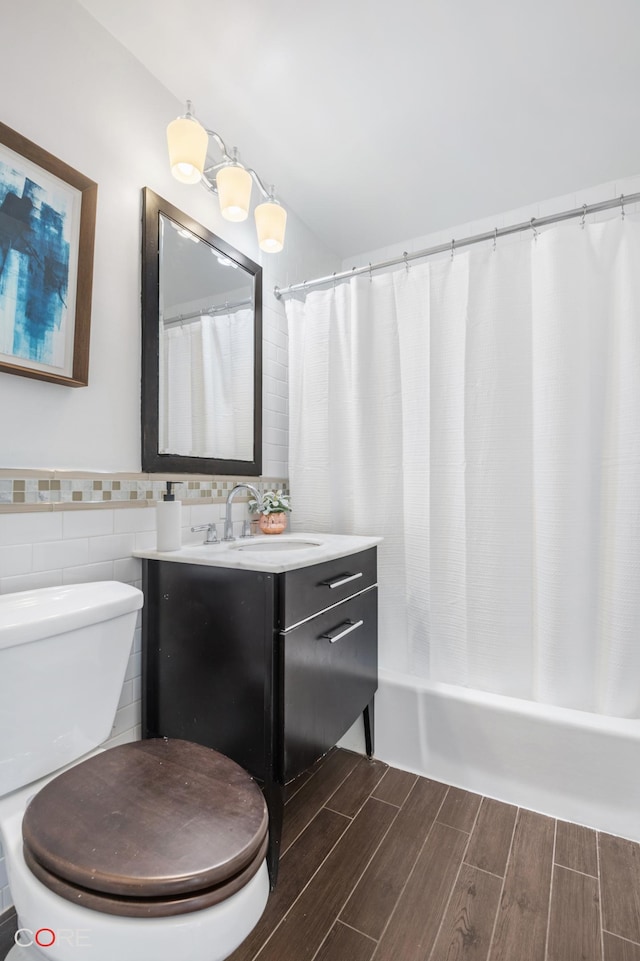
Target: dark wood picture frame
pixel 15 231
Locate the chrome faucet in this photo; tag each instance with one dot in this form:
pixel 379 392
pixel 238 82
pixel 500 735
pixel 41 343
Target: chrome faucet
pixel 228 523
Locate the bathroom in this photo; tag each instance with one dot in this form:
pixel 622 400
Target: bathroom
pixel 70 458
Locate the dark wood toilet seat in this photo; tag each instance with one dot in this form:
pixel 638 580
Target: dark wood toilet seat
pixel 153 828
pixel 145 907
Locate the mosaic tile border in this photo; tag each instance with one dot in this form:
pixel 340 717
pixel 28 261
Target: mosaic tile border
pixel 31 490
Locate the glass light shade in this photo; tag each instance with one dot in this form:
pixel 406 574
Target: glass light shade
pixel 234 192
pixel 187 141
pixel 271 221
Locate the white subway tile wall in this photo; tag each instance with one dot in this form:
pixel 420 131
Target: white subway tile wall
pixel 275 391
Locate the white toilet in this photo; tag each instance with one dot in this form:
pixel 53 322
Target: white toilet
pixel 63 657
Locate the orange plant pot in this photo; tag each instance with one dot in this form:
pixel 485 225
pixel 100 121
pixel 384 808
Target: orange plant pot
pixel 273 523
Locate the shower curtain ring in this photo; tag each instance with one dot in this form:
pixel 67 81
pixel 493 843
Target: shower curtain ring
pixel 406 259
pixel 453 247
pixel 370 275
pixel 334 280
pixel 622 204
pixel 532 224
pixel 495 237
pixel 584 216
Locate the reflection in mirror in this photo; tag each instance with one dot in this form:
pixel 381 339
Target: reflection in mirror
pixel 201 348
pixel 206 349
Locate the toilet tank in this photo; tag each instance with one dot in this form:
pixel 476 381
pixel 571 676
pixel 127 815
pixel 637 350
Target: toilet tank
pixel 63 658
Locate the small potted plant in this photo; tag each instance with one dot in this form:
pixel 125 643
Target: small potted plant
pixel 272 512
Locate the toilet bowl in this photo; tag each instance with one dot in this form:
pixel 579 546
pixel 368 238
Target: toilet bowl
pixel 149 851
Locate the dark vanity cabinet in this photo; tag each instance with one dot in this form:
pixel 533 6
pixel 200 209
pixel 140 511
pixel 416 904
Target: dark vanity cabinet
pixel 270 669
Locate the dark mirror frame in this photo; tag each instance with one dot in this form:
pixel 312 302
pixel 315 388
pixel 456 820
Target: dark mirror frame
pixel 152 461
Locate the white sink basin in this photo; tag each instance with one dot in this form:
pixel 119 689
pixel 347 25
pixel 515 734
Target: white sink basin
pixel 275 542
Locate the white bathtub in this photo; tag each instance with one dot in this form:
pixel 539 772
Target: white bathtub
pixel 569 764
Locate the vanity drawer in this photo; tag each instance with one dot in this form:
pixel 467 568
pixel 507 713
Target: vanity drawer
pixel 306 591
pixel 330 668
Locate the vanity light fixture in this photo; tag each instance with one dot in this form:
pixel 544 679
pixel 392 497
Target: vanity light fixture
pixel 188 142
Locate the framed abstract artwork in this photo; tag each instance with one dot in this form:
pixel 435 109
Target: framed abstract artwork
pixel 47 227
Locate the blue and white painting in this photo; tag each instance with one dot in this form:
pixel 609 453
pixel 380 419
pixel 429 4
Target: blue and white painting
pixel 38 228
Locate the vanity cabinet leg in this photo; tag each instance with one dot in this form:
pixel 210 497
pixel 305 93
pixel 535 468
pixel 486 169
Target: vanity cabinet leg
pixel 274 796
pixel 368 718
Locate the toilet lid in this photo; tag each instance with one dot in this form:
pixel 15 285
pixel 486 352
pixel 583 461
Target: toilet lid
pixel 150 819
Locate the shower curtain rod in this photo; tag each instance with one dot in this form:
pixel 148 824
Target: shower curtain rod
pixel 453 245
pixel 205 311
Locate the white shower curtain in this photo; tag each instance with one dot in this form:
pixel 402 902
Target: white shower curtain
pixel 483 415
pixel 206 372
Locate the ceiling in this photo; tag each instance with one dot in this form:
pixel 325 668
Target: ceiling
pixel 383 120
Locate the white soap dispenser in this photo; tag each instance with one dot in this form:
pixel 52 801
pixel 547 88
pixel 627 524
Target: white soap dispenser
pixel 169 521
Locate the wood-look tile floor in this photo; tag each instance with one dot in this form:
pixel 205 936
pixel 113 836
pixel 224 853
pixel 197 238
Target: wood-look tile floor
pixel 381 865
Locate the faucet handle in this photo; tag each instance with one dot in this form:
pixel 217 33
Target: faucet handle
pixel 212 533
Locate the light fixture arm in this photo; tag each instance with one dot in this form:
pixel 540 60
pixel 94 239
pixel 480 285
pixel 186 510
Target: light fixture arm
pixel 227 158
pixel 267 194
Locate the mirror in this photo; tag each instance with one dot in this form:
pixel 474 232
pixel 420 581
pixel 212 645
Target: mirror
pixel 201 348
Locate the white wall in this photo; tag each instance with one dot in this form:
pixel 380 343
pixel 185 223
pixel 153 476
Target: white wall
pixel 537 209
pixel 73 90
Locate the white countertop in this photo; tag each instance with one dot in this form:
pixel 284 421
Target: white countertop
pixel 273 553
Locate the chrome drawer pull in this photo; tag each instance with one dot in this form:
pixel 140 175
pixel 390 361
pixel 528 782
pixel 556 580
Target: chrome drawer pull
pixel 341 630
pixel 341 579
